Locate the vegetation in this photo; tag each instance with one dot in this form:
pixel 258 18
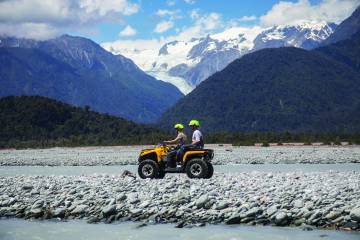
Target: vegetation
pixel 278 90
pixel 42 122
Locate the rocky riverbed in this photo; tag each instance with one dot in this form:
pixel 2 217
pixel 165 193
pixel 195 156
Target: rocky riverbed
pixel 226 154
pixel 316 199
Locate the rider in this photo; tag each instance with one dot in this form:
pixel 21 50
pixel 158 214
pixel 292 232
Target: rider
pixel 180 140
pixel 197 138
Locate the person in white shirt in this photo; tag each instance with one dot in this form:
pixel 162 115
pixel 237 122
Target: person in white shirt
pixel 197 137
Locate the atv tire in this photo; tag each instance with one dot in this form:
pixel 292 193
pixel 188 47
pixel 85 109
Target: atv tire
pixel 210 170
pixel 197 168
pixel 148 169
pixel 161 174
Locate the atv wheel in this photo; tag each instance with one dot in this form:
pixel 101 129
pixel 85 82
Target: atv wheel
pixel 197 168
pixel 210 170
pixel 148 169
pixel 161 174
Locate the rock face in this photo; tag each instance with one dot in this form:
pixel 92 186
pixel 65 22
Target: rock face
pixel 329 199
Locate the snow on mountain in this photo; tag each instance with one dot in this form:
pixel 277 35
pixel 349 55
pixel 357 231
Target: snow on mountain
pixel 187 63
pixel 305 35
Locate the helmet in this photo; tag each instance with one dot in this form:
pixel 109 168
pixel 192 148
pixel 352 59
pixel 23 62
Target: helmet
pixel 195 123
pixel 179 126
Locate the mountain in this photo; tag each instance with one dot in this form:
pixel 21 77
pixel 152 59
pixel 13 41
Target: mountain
pixel 346 29
pixel 284 89
pixel 42 122
pixel 188 63
pixel 78 71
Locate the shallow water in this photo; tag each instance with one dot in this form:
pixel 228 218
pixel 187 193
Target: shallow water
pixel 14 229
pixel 114 170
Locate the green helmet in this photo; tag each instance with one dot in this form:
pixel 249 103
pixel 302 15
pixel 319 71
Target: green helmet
pixel 195 123
pixel 179 126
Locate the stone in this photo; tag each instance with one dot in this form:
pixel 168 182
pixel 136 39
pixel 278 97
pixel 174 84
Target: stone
pixel 199 203
pixel 79 209
pixel 36 212
pixel 222 205
pixel 355 214
pixel 332 215
pixel 59 212
pixel 121 197
pixel 109 210
pixel 234 219
pixel 281 219
pixel 272 210
pixel 298 203
pixel 27 187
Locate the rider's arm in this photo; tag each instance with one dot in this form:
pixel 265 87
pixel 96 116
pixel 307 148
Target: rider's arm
pixel 176 140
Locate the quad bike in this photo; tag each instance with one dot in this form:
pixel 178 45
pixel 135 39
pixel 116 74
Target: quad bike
pixel 156 162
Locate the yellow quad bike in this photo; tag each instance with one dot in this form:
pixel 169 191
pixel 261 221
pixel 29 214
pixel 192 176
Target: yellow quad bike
pixel 156 162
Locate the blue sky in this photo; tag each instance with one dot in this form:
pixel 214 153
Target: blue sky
pixel 157 20
pixel 145 20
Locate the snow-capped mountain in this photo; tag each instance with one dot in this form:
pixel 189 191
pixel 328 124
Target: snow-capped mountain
pixel 187 63
pixel 305 35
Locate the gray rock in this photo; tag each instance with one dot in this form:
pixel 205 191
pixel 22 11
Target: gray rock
pixel 272 210
pixel 79 209
pixel 332 215
pixel 222 205
pixel 59 212
pixel 355 214
pixel 298 203
pixel 36 212
pixel 121 197
pixel 109 210
pixel 281 219
pixel 234 219
pixel 202 201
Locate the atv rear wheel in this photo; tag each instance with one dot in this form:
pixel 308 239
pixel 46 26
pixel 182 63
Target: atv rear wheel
pixel 197 168
pixel 148 169
pixel 210 170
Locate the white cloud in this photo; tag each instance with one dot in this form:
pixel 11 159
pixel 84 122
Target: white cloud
pixel 195 14
pixel 247 18
pixel 128 31
pixel 163 26
pixel 165 12
pixel 44 19
pixel 189 1
pixel 170 2
pixel 291 12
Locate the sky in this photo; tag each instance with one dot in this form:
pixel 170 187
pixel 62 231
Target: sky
pixel 146 21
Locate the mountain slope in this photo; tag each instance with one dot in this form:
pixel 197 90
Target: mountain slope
pixel 78 71
pixel 275 90
pixel 195 60
pixel 43 121
pixel 346 29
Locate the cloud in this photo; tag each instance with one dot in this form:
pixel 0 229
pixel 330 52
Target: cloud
pixel 286 12
pixel 44 19
pixel 247 18
pixel 163 26
pixel 128 31
pixel 171 2
pixel 195 14
pixel 190 1
pixel 165 12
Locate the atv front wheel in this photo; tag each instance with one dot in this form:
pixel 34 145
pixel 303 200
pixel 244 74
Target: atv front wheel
pixel 197 168
pixel 148 169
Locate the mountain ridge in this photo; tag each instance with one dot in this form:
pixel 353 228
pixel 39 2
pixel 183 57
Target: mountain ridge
pixel 86 74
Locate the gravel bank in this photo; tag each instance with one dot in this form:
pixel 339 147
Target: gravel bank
pixel 127 155
pixel 328 200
